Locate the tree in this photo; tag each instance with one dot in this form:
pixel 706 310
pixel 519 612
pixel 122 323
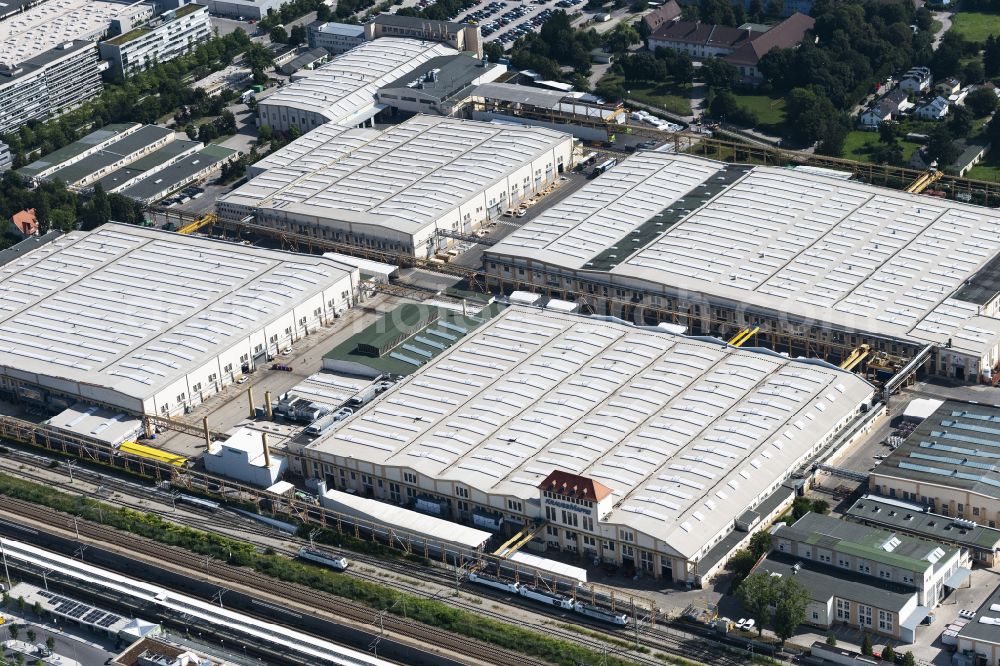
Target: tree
pixel 831 639
pixel 258 56
pixel 279 34
pixel 909 659
pixel 718 73
pixel 32 635
pixel 973 72
pixel 941 146
pixel 756 11
pixel 757 593
pixel 623 36
pixel 100 205
pixel 264 134
pixel 866 645
pixel 760 543
pixel 741 563
pixel 800 507
pixel 991 56
pixel 298 35
pixel 775 9
pixel 888 133
pixel 323 12
pixel 888 654
pixel 14 631
pixel 981 102
pixel 960 121
pixel 20 603
pixel 791 601
pixel 37 609
pixel 821 507
pixel 50 643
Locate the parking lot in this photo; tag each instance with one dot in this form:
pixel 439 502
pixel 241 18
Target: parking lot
pixel 505 20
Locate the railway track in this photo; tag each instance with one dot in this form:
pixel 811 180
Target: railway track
pixel 407 580
pixel 225 573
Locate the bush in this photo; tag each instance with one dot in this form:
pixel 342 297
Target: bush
pixel 888 654
pixel 831 639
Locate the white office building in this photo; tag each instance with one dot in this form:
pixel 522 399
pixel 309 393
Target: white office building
pixel 172 34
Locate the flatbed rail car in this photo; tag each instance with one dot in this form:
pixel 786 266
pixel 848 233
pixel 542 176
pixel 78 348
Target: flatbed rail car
pixel 337 562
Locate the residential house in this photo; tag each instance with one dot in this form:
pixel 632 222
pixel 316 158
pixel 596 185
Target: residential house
pixel 25 223
pixel 916 80
pixel 936 109
pixel 947 87
pixel 668 13
pixel 743 47
pixel 886 108
pixel 787 34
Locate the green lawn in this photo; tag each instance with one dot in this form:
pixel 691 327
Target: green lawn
pixel 665 95
pixel 988 169
pixel 860 144
pixel 770 111
pixel 976 26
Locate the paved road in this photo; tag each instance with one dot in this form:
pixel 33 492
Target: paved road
pixel 71 642
pixel 945 19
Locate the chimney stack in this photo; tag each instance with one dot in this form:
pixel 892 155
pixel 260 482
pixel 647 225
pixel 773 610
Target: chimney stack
pixel 208 434
pixel 267 450
pixel 267 406
pixel 253 410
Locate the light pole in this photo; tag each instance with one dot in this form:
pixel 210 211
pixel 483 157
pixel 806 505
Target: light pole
pixel 6 572
pixel 70 465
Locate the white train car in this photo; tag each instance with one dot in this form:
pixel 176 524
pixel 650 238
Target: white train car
pixel 546 597
pixel 491 581
pixel 602 614
pixel 337 562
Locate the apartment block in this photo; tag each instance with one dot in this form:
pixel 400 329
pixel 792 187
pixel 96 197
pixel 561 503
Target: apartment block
pixel 172 34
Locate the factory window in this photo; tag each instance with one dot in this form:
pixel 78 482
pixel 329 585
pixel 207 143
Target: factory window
pixel 463 506
pixel 844 563
pixel 626 535
pixel 885 620
pixel 317 311
pixel 882 573
pixel 343 474
pixel 609 545
pixel 514 506
pixel 302 321
pixel 864 615
pixel 864 568
pixel 961 509
pixel 244 358
pixel 288 331
pixel 394 492
pixel 165 409
pixel 273 338
pixel 180 398
pixel 843 610
pixel 569 518
pixel 550 513
pixel 815 615
pixel 409 478
pixel 228 368
pixel 588 523
pixel 462 492
pixel 213 377
pixel 590 541
pixel 196 387
pixel 975 511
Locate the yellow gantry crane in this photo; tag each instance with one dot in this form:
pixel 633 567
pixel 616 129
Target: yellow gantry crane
pixel 200 223
pixel 858 355
pixel 743 336
pixel 924 180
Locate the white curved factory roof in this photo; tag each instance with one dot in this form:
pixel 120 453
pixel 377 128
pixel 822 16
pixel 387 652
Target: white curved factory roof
pixel 821 249
pixel 132 309
pixel 346 85
pixel 686 432
pixel 403 178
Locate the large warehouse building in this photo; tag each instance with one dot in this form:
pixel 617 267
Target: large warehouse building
pixel 394 190
pixel 147 322
pixel 343 90
pixel 820 265
pixel 630 444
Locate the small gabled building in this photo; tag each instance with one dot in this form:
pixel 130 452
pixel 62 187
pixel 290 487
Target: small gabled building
pixel 885 109
pixel 947 87
pixel 916 80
